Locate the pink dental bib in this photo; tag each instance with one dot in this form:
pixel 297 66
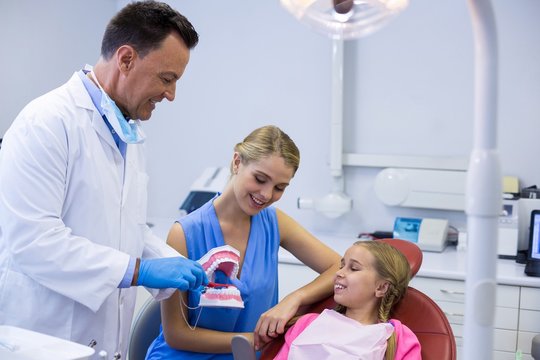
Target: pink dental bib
pixel 335 336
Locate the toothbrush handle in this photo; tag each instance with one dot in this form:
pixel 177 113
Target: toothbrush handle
pixel 214 285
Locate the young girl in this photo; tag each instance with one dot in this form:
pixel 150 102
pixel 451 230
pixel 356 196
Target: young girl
pixel 373 277
pixel 242 217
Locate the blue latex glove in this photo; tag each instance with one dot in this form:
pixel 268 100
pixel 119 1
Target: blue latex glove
pixel 175 272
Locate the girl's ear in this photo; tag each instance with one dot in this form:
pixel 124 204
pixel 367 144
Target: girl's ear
pixel 381 289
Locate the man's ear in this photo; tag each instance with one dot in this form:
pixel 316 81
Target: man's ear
pixel 381 289
pixel 125 57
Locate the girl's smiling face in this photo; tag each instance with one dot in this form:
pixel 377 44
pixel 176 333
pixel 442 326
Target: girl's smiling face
pixel 357 285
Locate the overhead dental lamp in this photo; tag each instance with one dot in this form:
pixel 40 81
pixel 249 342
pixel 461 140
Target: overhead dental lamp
pixel 345 19
pixel 341 20
pixel 349 19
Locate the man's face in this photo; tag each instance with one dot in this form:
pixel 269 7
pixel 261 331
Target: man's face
pixel 152 78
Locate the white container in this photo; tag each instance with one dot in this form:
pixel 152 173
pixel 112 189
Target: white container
pixel 21 344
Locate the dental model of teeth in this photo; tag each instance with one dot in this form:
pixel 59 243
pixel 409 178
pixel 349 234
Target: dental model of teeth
pixel 226 259
pixel 227 297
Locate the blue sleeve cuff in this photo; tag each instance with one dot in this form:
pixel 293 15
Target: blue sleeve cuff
pixel 128 276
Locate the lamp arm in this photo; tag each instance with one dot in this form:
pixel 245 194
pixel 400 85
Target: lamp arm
pixel 336 123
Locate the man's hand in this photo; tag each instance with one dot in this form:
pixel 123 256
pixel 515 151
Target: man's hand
pixel 176 272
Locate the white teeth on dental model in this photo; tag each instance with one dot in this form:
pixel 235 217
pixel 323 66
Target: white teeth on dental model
pixel 228 297
pixel 224 258
pixel 216 266
pixel 220 249
pixel 214 259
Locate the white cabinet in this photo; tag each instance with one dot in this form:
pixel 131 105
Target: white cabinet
pixel 529 318
pixel 517 313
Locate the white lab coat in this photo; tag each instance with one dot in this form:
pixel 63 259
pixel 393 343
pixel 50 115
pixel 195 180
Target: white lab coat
pixel 71 215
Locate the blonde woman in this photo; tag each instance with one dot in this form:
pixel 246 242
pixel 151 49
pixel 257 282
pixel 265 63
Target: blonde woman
pixel 244 217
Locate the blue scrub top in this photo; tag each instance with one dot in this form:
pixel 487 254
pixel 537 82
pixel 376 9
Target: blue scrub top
pixel 258 283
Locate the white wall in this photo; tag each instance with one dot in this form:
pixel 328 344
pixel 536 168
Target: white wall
pixel 42 44
pixel 409 91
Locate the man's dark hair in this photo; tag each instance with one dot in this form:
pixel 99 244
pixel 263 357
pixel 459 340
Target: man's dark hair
pixel 144 25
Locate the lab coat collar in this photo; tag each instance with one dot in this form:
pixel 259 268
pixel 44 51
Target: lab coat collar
pixel 83 100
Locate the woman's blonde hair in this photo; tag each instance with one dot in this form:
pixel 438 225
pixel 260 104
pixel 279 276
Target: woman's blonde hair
pixel 265 141
pixel 392 266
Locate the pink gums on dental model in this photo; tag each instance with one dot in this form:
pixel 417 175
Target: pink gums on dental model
pixel 226 259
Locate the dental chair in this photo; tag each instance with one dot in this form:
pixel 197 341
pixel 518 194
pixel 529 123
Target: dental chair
pixel 535 347
pixel 416 310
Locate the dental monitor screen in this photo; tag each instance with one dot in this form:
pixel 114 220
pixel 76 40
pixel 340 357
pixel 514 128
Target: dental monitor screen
pixel 532 268
pixel 535 234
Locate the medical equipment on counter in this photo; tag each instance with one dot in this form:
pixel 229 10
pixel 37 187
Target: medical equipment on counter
pixel 428 234
pixel 509 233
pixel 21 344
pixel 207 185
pixel 508 230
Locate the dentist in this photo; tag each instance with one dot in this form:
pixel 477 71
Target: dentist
pixel 73 187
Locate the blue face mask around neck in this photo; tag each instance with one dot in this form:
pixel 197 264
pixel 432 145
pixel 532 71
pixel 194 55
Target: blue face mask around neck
pixel 128 132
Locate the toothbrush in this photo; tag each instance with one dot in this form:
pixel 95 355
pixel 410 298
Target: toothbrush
pixel 216 285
